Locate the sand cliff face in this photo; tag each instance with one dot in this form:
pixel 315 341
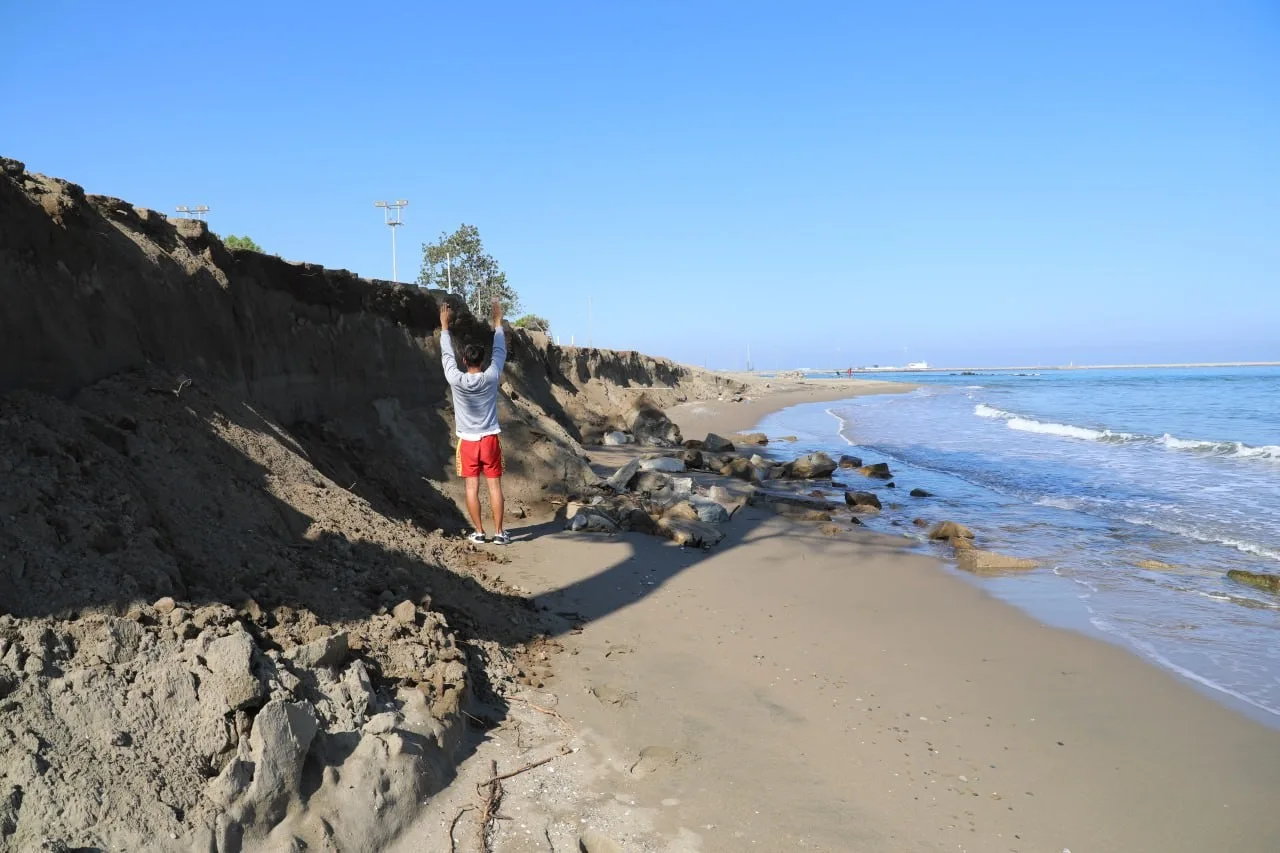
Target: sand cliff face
pixel 93 287
pixel 268 444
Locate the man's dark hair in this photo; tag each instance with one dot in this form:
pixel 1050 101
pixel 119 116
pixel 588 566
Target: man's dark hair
pixel 473 355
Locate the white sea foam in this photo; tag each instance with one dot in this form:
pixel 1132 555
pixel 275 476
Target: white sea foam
pixel 1208 538
pixel 1270 452
pixel 1150 651
pixel 1221 448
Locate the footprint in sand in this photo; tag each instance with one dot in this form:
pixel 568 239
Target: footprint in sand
pixel 654 759
pixel 614 651
pixel 612 695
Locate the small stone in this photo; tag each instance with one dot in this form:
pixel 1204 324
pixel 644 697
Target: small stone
pixel 165 606
pixel 921 493
pixel 950 530
pixel 861 499
pixel 381 724
pixel 326 651
pixel 878 470
pixel 405 612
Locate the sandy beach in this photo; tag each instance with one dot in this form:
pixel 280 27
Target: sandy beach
pixel 790 690
pixel 763 396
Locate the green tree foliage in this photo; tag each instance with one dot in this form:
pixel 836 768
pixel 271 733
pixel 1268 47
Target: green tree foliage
pixel 459 264
pixel 533 323
pixel 245 242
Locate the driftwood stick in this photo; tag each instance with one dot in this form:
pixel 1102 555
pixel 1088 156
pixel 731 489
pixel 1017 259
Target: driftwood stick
pixel 491 795
pixel 453 847
pixel 564 750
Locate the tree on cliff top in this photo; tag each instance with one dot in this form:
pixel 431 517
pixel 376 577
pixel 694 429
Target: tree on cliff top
pixel 533 323
pixel 459 264
pixel 245 242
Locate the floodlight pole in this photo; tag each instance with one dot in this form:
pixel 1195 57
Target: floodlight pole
pixel 391 215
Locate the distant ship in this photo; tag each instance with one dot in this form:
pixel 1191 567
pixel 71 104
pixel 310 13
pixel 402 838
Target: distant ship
pixel 917 365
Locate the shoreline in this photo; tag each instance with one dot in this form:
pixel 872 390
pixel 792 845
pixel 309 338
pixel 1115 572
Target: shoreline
pixel 725 417
pixel 791 689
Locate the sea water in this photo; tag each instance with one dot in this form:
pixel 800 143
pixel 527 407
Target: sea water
pixel 1092 472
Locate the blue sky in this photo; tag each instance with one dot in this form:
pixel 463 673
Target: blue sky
pixel 826 183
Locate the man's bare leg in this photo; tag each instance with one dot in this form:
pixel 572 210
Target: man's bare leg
pixel 495 502
pixel 473 502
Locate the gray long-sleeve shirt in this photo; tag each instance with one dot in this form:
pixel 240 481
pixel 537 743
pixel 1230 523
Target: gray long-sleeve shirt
pixel 475 395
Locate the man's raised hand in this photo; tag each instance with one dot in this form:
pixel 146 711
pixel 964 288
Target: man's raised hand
pixel 446 314
pixel 496 312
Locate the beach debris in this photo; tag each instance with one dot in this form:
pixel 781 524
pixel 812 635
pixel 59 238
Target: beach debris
pixel 983 562
pixel 690 532
pixel 950 530
pixel 755 439
pixel 717 444
pixel 731 501
pixel 587 520
pixel 877 470
pixel 708 510
pixel 811 466
pixel 617 438
pixel 665 464
pixel 621 479
pixel 847 461
pixel 692 459
pixel 1260 580
pixel 649 482
pixel 650 425
pixel 862 499
pixel 683 509
pixel 921 493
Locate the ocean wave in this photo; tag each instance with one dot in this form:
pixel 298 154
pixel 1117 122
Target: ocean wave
pixel 1235 449
pixel 1018 422
pixel 1221 448
pixel 1198 535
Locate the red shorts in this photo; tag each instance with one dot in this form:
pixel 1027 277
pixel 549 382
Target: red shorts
pixel 480 457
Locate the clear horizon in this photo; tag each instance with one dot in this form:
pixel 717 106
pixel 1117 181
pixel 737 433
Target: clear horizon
pixel 825 185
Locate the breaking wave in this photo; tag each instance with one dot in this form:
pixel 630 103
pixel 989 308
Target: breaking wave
pixel 1235 449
